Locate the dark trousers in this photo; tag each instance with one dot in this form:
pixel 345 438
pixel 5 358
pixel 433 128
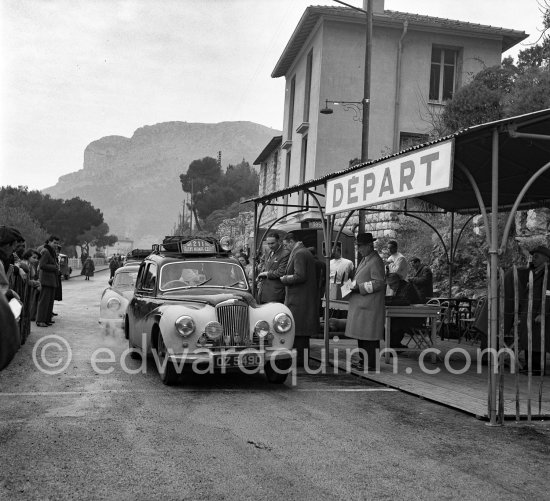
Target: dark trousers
pixel 372 348
pixel 301 344
pixel 45 304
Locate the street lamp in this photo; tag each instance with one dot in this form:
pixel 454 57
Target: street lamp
pixel 355 106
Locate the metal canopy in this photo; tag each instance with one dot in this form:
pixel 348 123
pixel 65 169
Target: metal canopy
pixel 519 158
pixel 497 165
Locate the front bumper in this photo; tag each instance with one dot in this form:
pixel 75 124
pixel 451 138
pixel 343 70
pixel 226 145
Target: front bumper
pixel 265 356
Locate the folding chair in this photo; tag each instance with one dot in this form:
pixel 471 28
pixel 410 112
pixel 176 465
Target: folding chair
pixel 469 330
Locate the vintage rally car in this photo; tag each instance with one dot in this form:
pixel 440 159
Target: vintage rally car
pixel 193 310
pixel 115 298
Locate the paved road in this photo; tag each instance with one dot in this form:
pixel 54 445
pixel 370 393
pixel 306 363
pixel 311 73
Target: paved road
pixel 84 435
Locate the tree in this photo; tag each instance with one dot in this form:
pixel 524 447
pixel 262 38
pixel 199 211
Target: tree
pixel 503 91
pixel 97 235
pixel 214 190
pixel 19 218
pixel 64 218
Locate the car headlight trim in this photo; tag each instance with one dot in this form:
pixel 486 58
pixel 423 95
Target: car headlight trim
pixel 261 328
pixel 113 304
pixel 282 323
pixel 227 243
pixel 185 325
pixel 213 330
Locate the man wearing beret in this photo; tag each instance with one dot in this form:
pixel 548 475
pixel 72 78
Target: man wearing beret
pixel 366 311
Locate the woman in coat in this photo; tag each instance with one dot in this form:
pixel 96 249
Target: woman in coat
pixel 88 268
pixel 366 311
pixel 301 294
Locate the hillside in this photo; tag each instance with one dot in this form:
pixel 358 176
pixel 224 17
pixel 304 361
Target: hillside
pixel 135 181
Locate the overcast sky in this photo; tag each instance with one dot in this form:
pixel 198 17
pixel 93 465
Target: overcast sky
pixel 73 71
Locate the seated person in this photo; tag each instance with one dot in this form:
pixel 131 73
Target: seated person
pixel 188 278
pixel 404 294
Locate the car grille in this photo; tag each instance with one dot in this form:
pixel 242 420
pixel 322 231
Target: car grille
pixel 236 326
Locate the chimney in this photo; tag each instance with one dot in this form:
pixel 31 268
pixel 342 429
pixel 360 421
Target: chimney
pixel 377 6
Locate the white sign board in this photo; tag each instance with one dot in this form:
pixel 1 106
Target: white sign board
pixel 420 172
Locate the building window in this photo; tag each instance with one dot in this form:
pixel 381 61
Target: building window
pixel 409 139
pixel 287 178
pixel 303 161
pixel 291 107
pixel 442 74
pixel 275 159
pixel 307 97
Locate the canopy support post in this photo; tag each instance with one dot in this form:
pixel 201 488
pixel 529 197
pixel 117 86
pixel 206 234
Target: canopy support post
pixel 493 288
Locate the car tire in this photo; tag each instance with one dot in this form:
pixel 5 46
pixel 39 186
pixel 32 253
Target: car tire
pixel 134 355
pixel 168 375
pixel 273 376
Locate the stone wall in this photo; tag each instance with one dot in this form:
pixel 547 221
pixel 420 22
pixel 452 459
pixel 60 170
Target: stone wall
pixel 380 224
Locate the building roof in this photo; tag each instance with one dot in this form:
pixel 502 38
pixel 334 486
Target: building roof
pixel 518 159
pixel 389 18
pixel 271 146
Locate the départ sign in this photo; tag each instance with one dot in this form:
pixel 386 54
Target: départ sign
pixel 423 171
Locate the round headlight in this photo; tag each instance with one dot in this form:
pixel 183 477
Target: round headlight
pixel 261 328
pixel 282 323
pixel 213 330
pixel 185 326
pixel 113 304
pixel 227 243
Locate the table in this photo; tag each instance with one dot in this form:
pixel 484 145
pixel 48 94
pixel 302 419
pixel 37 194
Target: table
pixel 431 311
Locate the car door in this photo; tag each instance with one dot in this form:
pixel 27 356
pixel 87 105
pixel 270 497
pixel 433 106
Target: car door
pixel 141 305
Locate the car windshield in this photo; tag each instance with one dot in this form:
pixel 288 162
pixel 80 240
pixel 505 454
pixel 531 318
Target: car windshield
pixel 125 280
pixel 186 274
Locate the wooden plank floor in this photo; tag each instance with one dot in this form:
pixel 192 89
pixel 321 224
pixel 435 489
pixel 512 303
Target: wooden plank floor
pixel 467 392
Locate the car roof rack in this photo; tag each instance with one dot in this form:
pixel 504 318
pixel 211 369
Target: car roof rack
pixel 191 245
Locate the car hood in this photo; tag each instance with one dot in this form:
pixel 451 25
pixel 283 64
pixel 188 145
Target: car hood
pixel 210 296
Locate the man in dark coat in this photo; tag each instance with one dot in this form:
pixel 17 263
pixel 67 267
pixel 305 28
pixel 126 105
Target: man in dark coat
pixel 48 274
pixel 271 288
pixel 422 279
pixel 301 294
pixel 541 257
pixel 404 294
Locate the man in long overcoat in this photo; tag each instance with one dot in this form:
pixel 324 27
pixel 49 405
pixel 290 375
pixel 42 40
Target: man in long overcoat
pixel 271 288
pixel 48 271
pixel 366 311
pixel 301 294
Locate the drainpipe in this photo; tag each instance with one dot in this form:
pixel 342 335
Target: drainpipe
pixel 398 89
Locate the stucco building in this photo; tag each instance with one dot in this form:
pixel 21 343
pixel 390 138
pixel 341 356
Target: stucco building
pixel 417 63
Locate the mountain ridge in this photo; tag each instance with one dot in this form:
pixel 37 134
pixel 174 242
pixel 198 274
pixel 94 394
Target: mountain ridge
pixel 135 181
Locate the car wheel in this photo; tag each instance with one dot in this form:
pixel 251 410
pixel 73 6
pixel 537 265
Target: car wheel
pixel 167 371
pixel 134 355
pixel 274 376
